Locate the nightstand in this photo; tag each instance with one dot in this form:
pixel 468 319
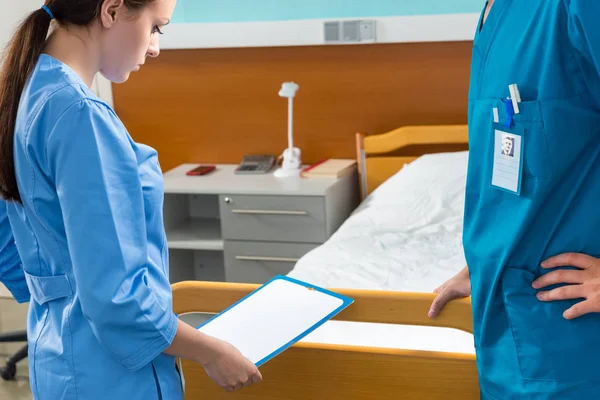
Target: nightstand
pixel 249 228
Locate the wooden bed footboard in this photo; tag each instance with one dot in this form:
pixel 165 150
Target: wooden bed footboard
pixel 310 371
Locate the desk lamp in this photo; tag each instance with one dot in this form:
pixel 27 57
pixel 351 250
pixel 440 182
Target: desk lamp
pixel 291 165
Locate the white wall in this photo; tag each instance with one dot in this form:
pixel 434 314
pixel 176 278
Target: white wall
pixel 400 29
pixel 12 13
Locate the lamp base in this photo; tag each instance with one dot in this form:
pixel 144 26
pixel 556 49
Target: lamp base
pixel 291 165
pixel 287 173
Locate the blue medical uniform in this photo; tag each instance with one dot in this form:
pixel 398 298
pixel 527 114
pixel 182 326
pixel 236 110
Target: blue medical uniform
pixel 91 239
pixel 551 50
pixel 11 273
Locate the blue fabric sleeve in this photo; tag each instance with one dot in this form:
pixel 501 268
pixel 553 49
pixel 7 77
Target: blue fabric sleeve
pixel 584 34
pixel 95 170
pixel 11 271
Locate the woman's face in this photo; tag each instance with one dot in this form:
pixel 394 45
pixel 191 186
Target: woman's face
pixel 129 36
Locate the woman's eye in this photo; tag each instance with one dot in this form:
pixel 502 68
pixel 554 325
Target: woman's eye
pixel 156 30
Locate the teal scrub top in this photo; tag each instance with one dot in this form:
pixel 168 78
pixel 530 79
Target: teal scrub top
pixel 92 245
pixel 551 50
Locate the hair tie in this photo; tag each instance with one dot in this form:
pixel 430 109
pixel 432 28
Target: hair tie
pixel 45 8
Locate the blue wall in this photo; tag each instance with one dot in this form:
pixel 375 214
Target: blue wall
pixel 190 11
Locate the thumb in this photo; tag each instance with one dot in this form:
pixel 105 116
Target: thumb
pixel 439 302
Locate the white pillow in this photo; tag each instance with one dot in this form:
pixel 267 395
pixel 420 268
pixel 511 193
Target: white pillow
pixel 442 175
pixel 430 190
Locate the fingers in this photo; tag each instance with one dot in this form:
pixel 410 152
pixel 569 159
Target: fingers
pixel 242 383
pixel 557 277
pixel 257 377
pixel 579 309
pixel 254 377
pixel 439 302
pixel 570 259
pixel 562 293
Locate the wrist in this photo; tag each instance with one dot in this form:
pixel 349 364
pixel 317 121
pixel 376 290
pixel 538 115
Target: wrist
pixel 208 349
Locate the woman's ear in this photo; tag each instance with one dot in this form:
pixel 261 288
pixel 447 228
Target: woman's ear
pixel 110 12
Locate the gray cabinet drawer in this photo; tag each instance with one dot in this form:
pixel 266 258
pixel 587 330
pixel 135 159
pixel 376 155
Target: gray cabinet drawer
pixel 273 218
pixel 257 262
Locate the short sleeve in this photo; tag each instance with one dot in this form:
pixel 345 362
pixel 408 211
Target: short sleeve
pixel 94 167
pixel 584 30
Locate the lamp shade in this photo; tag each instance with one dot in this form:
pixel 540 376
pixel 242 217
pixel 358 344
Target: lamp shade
pixel 288 89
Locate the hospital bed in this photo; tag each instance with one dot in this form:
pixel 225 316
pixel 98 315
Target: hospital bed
pixel 401 242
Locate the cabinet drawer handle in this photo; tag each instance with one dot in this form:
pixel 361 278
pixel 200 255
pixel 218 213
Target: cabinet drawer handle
pixel 269 212
pixel 269 259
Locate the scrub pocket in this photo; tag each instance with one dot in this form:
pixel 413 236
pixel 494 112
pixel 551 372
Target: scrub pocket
pixel 530 122
pixel 549 347
pixel 156 381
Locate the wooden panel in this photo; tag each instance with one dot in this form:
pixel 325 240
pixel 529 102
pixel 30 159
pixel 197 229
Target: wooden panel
pixel 416 135
pixel 375 306
pixel 319 371
pixel 381 155
pixel 214 105
pixel 326 373
pixel 380 169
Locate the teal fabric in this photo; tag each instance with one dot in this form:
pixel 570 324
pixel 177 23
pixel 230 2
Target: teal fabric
pixel 551 50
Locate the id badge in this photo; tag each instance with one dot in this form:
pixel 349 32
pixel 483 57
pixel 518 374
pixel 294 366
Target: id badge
pixel 508 158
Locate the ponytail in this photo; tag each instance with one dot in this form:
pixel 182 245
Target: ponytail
pixel 21 56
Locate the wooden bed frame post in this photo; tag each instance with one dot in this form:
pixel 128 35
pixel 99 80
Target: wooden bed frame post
pixel 360 161
pixel 374 153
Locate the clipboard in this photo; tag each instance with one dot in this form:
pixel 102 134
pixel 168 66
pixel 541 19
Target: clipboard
pixel 274 317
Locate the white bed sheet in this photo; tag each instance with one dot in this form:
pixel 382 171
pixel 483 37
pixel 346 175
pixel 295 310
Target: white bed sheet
pixel 406 236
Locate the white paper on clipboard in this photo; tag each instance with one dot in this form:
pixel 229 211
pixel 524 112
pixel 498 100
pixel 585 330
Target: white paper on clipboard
pixel 274 317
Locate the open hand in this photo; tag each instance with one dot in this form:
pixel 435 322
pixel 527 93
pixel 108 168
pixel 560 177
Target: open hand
pixel 583 283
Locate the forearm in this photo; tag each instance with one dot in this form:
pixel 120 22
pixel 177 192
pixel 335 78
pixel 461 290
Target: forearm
pixel 191 344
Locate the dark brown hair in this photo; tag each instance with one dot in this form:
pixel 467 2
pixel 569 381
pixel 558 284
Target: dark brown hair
pixel 21 56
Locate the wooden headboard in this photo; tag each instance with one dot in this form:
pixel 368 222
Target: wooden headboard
pixel 215 105
pixel 381 156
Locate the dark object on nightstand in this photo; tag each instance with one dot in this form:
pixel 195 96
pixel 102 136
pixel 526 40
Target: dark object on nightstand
pixel 256 164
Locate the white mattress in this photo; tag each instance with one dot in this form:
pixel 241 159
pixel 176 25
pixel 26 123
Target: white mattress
pixel 406 236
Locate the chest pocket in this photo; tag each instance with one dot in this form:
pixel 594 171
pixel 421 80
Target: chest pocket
pixel 530 122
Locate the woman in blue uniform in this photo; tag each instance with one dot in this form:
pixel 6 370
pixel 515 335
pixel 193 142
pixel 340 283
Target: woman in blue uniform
pixel 85 208
pixel 532 221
